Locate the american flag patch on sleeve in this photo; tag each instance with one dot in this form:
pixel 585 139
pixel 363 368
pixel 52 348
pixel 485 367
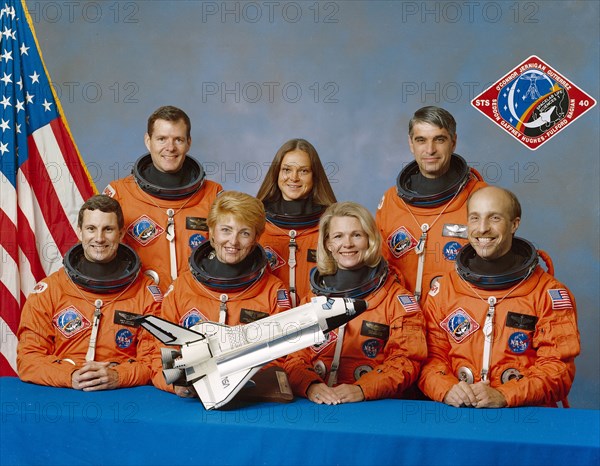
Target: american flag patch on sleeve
pixel 283 299
pixel 156 293
pixel 560 299
pixel 409 303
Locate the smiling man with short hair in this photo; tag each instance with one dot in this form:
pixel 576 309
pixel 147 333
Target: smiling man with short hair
pixel 500 330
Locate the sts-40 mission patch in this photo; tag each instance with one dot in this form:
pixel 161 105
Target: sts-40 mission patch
pixel 533 102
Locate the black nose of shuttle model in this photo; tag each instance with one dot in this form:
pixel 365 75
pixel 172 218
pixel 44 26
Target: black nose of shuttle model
pixel 335 315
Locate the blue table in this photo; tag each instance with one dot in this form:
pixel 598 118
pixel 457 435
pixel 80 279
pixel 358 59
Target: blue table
pixel 142 425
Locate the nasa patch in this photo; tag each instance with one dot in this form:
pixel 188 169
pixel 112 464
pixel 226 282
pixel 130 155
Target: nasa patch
pixel 191 318
pixel 518 342
pixel 533 102
pixel 124 338
pixel 451 250
pixel 196 240
pixel 400 242
pixel 70 322
pixel 144 230
pixel 372 347
pixel 274 259
pixel 459 325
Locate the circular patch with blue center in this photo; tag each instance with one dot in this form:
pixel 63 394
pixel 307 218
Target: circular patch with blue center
pixel 451 250
pixel 518 342
pixel 196 240
pixel 372 347
pixel 124 338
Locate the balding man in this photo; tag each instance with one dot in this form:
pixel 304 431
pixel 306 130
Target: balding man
pixel 501 330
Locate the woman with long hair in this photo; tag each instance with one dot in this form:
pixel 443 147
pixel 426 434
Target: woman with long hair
pixel 295 193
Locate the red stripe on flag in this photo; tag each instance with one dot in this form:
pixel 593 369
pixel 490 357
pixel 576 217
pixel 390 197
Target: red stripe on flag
pixel 72 159
pixel 11 310
pixel 24 238
pixel 9 236
pixel 45 202
pixel 5 369
pixel 28 246
pixel 41 184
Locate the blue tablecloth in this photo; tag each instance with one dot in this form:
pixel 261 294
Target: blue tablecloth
pixel 142 425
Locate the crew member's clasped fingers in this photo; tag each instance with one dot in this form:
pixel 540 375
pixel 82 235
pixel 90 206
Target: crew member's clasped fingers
pixel 320 393
pixel 459 395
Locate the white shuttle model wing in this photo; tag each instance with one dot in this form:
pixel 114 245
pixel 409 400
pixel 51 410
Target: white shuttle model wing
pixel 168 332
pixel 215 391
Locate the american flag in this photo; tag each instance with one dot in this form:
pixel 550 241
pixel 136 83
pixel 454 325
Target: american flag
pixel 43 180
pixel 156 293
pixel 409 303
pixel 283 299
pixel 560 299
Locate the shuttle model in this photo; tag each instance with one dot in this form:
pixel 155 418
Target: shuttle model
pixel 218 360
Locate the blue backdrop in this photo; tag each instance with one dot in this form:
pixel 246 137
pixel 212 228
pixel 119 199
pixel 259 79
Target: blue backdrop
pixel 346 75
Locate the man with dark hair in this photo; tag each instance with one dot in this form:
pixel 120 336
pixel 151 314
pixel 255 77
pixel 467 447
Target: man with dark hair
pixel 103 204
pixel 166 198
pixel 169 113
pixel 500 330
pixel 76 327
pixel 422 218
